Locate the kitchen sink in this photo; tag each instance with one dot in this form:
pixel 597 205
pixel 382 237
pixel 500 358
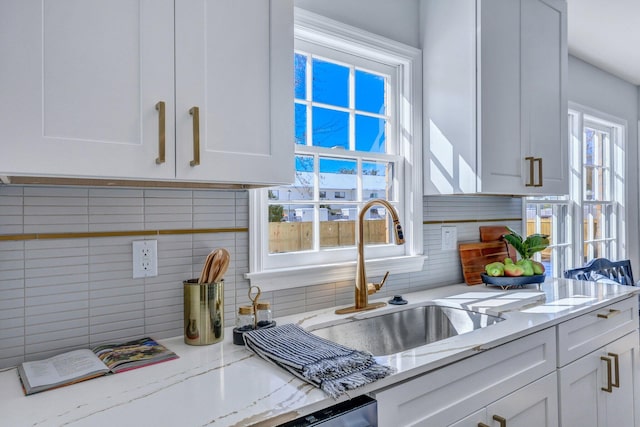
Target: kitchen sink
pixel 395 332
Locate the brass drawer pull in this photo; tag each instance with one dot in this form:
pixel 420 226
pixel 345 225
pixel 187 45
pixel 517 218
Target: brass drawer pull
pixel 612 312
pixel 483 425
pixel 609 387
pixel 160 106
pixel 501 420
pixel 616 370
pixel 539 160
pixel 530 183
pixel 195 112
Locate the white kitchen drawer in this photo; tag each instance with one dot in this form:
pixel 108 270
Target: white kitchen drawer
pixel 444 396
pixel 582 335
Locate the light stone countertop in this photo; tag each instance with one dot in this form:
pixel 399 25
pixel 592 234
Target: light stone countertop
pixel 225 385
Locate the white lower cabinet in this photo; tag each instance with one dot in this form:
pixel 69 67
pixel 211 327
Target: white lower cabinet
pixel 580 373
pixel 499 381
pixel 598 389
pixel 598 363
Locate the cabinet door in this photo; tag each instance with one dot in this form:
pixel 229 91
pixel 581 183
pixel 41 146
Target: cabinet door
pixel 234 62
pixel 534 405
pixel 581 383
pixel 79 85
pixel 523 104
pixel 499 156
pixel 544 95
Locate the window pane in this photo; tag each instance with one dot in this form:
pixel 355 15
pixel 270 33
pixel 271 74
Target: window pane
pixel 369 92
pixel 589 183
pixel 370 134
pixel 294 231
pixel 337 225
pixel 377 226
pixel 330 128
pixel 300 70
pixel 303 185
pixel 301 124
pixel 551 219
pixel 596 147
pixel 330 83
pixel 338 179
pixel 377 179
pixel 596 224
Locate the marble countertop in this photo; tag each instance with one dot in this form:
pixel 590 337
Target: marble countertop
pixel 224 384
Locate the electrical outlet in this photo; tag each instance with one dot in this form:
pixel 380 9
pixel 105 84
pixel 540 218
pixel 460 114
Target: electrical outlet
pixel 449 237
pixel 145 258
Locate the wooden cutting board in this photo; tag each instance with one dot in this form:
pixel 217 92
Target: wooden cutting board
pixel 474 256
pixel 492 233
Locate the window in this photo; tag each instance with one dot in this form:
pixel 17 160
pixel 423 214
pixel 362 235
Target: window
pixel 601 202
pixel 589 223
pixel 357 133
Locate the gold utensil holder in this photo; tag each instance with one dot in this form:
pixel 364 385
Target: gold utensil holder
pixel 203 312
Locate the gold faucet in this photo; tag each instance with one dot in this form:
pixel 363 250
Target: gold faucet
pixel 364 289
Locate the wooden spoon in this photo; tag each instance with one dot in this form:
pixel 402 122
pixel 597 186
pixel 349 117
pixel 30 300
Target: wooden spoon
pixel 206 268
pixel 223 257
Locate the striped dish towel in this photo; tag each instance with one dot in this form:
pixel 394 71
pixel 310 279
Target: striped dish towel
pixel 332 367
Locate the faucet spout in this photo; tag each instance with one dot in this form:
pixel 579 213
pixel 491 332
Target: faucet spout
pixel 362 288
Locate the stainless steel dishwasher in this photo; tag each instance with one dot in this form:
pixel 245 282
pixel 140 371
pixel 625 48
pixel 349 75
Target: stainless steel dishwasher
pixel 361 411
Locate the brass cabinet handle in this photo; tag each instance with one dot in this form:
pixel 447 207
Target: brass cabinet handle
pixel 483 425
pixel 609 387
pixel 531 182
pixel 195 112
pixel 609 314
pixel 616 370
pixel 539 161
pixel 501 420
pixel 160 106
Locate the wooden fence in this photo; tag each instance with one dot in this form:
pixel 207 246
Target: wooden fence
pixel 298 236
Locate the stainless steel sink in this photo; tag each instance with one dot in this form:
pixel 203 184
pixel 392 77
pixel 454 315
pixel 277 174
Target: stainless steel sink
pixel 403 330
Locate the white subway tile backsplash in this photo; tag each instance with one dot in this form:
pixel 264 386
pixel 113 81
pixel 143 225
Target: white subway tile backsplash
pixel 60 294
pixel 36 316
pixel 57 193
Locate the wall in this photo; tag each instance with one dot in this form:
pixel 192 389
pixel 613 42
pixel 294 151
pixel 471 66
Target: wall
pixel 397 19
pixel 61 289
pixel 602 91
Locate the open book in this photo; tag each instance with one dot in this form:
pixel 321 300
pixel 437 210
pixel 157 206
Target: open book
pixel 80 365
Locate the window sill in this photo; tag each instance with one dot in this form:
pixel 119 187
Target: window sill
pixel 289 278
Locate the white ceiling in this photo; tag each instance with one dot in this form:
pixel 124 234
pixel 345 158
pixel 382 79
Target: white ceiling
pixel 606 33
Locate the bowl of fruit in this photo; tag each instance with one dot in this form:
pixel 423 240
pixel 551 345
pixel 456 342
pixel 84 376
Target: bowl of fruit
pixel 523 271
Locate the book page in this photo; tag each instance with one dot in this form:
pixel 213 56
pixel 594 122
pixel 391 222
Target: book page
pixel 133 354
pixel 63 367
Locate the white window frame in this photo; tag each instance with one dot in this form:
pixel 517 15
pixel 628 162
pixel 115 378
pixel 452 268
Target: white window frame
pixel 573 253
pixel 618 191
pixel 319 30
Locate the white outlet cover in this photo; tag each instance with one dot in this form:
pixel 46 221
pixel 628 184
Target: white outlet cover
pixel 449 237
pixel 145 258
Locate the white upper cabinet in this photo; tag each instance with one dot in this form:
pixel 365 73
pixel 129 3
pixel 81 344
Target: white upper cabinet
pixel 495 96
pixel 100 89
pixel 234 61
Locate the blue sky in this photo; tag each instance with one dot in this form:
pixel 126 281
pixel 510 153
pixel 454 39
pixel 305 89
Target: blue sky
pixel 330 85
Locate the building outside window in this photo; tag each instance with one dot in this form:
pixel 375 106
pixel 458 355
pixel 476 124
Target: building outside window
pixel 356 138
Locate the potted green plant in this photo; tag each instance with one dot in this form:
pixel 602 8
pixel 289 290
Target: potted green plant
pixel 526 248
